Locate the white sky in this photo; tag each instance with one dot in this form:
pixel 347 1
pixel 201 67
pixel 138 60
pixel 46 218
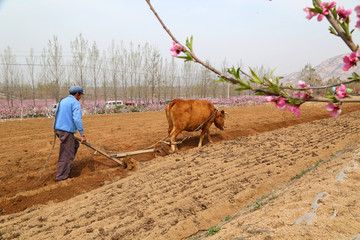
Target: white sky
pixel 273 34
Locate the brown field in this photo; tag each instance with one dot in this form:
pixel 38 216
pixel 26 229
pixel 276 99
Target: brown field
pixel 243 186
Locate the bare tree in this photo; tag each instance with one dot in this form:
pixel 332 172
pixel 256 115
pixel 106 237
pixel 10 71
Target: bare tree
pixel 21 87
pixel 205 78
pixel 68 77
pixel 31 61
pixel 95 67
pixel 186 77
pixel 114 63
pixel 165 81
pixel 8 73
pixel 55 67
pixel 213 85
pixel 124 68
pixel 104 74
pixel 225 87
pixel 152 69
pixel 308 74
pixel 43 84
pixel 161 80
pixel 172 75
pixel 79 49
pixel 135 61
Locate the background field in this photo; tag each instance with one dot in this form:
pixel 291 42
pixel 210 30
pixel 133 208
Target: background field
pixel 260 176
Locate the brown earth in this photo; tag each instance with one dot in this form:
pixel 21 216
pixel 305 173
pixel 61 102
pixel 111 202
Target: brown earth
pixel 243 186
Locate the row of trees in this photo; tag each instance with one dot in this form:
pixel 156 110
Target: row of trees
pixel 127 73
pixel 120 72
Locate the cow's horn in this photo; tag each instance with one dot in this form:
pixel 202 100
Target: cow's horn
pixel 227 114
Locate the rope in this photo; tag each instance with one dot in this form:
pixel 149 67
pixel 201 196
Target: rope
pixel 198 127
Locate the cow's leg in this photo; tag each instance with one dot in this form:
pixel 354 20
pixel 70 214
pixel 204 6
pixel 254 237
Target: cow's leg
pixel 208 136
pixel 202 135
pixel 173 136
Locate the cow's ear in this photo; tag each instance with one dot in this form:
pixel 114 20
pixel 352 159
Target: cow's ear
pixel 222 113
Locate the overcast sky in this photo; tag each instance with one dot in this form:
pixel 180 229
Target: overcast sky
pixel 273 34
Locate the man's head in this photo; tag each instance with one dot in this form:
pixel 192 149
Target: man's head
pixel 77 92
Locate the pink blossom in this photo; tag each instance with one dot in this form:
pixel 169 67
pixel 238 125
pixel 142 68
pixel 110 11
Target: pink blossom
pixel 343 14
pixel 342 88
pixel 295 109
pixel 269 99
pixel 350 61
pixel 320 17
pixel 330 107
pixel 335 111
pixel 357 10
pixel 310 14
pixel 303 94
pixel 175 49
pixel 342 91
pixel 281 104
pixel 326 6
pixel 301 84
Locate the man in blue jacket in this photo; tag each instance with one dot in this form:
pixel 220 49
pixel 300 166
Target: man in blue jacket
pixel 67 121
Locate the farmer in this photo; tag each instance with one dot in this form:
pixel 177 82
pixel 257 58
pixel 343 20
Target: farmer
pixel 67 122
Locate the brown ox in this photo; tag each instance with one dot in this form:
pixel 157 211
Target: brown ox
pixel 191 115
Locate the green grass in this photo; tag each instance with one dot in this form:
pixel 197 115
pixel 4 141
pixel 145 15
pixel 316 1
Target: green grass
pixel 303 172
pixel 212 231
pixel 274 196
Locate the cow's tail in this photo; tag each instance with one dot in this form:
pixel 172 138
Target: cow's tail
pixel 168 115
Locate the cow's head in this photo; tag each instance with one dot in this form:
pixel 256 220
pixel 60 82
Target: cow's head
pixel 220 119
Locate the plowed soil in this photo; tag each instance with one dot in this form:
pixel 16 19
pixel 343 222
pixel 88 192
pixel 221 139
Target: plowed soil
pixel 268 175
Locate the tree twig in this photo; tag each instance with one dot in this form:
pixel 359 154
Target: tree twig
pixel 196 59
pixel 347 39
pixel 330 18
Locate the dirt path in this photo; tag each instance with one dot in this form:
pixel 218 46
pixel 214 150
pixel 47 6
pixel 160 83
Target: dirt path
pixel 169 197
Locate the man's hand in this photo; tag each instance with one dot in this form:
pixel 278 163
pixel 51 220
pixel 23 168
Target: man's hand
pixel 83 139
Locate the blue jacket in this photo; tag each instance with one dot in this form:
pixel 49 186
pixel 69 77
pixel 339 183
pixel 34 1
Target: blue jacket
pixel 68 118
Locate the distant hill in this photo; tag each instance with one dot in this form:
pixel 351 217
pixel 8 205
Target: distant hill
pixel 329 68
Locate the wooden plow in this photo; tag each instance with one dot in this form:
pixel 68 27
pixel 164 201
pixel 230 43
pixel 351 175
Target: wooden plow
pixel 118 155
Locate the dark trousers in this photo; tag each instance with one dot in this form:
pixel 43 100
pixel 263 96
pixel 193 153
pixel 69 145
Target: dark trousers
pixel 68 148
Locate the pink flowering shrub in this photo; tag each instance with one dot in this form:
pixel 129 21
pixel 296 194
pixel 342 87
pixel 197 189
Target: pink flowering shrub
pixel 27 110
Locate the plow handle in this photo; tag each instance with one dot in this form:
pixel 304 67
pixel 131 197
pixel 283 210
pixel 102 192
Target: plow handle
pixel 123 164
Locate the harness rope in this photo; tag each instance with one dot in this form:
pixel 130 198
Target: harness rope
pixel 199 126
